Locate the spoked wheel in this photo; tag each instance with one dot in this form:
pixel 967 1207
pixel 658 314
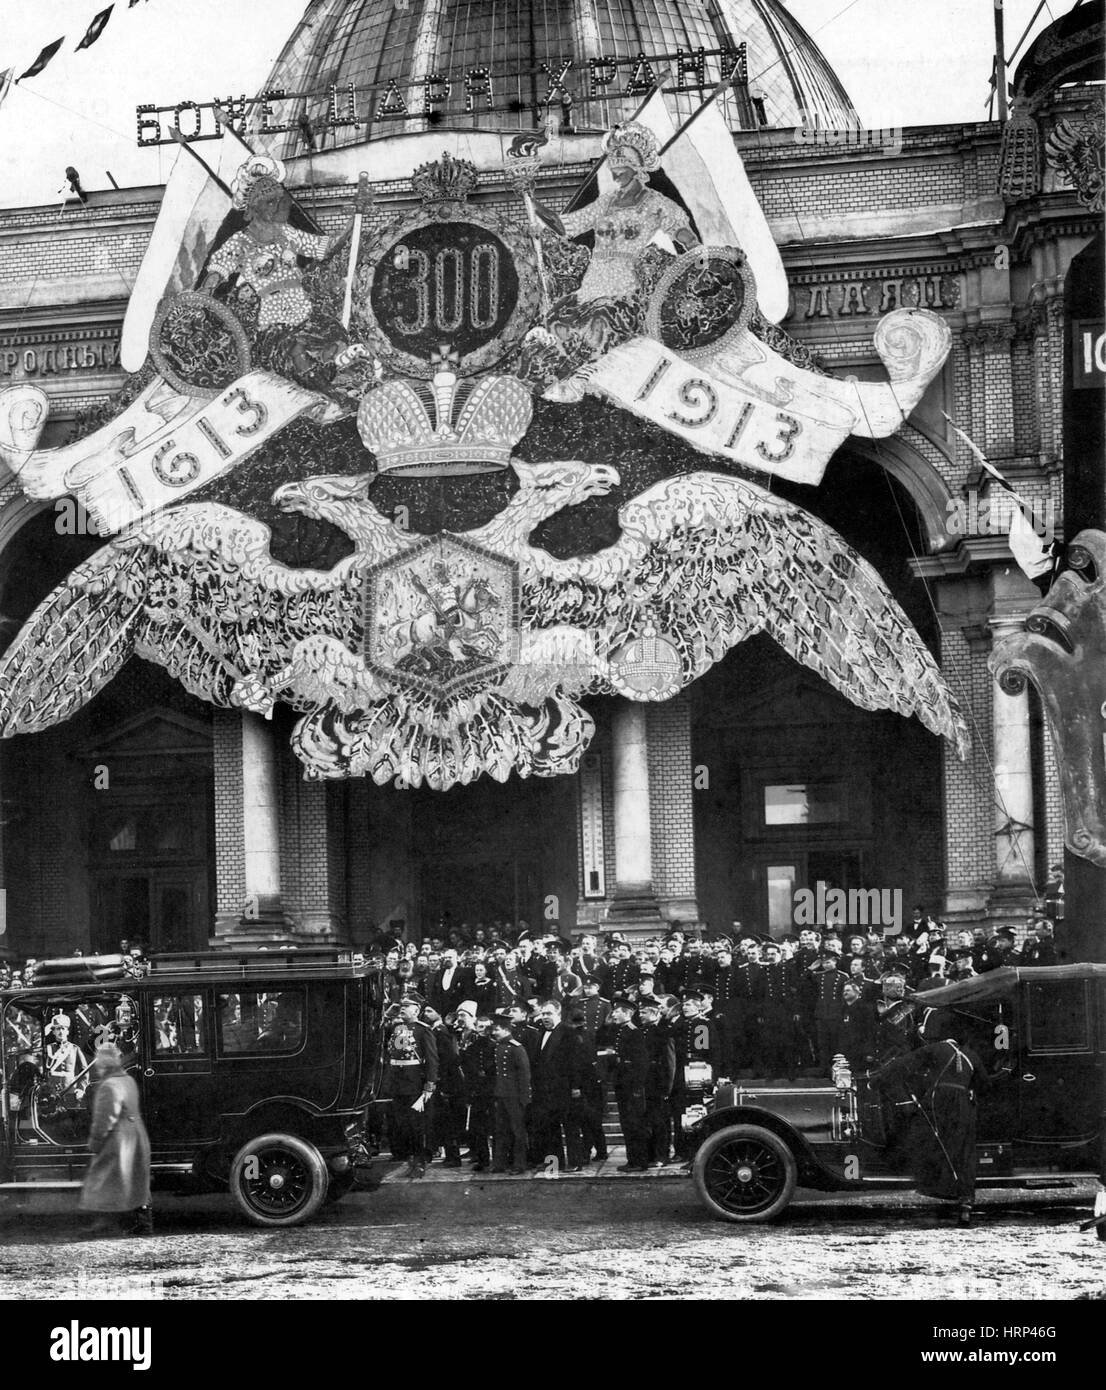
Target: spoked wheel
pixel 278 1180
pixel 745 1173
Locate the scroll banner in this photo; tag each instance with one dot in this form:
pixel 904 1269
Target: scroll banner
pixel 746 403
pixel 164 446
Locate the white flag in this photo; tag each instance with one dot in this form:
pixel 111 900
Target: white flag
pixel 192 210
pixel 705 166
pixel 1026 546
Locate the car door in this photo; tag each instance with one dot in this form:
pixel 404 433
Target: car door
pixel 1061 1080
pixel 177 1079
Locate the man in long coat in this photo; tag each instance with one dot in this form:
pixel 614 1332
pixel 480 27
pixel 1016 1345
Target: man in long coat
pixel 512 1096
pixel 118 1178
pixel 940 1076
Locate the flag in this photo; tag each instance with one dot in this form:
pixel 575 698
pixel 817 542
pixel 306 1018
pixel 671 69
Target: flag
pixel 96 28
pixel 5 84
pixel 703 162
pixel 1036 558
pixel 42 59
pixel 193 207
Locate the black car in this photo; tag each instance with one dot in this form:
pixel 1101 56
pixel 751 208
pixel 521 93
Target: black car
pixel 1041 1104
pixel 255 1071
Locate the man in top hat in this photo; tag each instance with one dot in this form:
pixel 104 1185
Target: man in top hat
pixel 512 1096
pixel 630 1067
pixel 410 1079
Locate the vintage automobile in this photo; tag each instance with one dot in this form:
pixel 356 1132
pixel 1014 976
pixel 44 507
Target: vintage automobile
pixel 1041 1104
pixel 255 1070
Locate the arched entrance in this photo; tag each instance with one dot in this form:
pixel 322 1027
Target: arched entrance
pixel 802 786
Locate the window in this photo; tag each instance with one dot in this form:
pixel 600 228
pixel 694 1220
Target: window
pixel 261 1022
pixel 1059 1020
pixel 804 803
pixel 178 1025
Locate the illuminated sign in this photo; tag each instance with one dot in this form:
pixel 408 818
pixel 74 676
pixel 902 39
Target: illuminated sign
pixel 437 95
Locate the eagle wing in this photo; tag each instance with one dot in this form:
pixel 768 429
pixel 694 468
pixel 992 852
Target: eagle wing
pixel 706 561
pixel 194 589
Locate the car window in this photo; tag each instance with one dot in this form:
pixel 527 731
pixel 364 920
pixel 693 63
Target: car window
pixel 1059 1020
pixel 178 1025
pixel 261 1021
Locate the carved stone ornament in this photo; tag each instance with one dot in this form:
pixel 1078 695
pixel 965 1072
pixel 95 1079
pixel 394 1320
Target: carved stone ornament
pixel 1063 652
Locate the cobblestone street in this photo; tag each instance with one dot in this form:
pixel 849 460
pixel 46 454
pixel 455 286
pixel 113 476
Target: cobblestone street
pixel 610 1239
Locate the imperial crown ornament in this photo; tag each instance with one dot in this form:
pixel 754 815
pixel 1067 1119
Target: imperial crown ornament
pixel 431 429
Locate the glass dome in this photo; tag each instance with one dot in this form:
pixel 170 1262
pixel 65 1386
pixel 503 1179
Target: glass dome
pixel 485 64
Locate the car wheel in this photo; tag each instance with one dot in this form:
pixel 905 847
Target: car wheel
pixel 278 1180
pixel 745 1173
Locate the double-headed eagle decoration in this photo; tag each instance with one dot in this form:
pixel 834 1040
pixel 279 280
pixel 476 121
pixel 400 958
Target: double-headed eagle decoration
pixel 441 656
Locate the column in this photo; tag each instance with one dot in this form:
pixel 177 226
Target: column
pixel 634 902
pixel 1013 780
pixel 247 828
pixel 260 817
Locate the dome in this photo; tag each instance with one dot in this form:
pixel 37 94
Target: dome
pixel 485 64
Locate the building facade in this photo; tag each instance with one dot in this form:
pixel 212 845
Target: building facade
pixel 151 815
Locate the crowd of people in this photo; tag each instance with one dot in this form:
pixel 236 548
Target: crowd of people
pixel 507 1043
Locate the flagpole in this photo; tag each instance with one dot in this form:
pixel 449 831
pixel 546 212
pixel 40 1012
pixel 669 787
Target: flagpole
pixel 725 85
pixel 185 145
pixel 657 86
pixel 354 248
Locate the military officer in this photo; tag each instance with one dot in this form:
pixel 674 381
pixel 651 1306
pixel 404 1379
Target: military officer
pixel 779 1013
pixel 630 1068
pixel 410 1079
pixel 512 1096
pixel 660 1076
pixel 894 1016
pixel 695 1041
pixel 828 984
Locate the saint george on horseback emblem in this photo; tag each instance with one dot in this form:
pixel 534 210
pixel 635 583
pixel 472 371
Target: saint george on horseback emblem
pixel 443 618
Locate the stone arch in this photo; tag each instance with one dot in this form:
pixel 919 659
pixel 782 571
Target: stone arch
pixel 910 467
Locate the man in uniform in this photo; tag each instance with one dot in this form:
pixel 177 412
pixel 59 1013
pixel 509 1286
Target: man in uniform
pixel 828 985
pixel 779 1013
pixel 660 1076
pixel 743 1011
pixel 448 1124
pixel 477 1056
pixel 695 1041
pixel 939 1077
pixel 894 1016
pixel 512 1096
pixel 630 1066
pixel 410 1079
